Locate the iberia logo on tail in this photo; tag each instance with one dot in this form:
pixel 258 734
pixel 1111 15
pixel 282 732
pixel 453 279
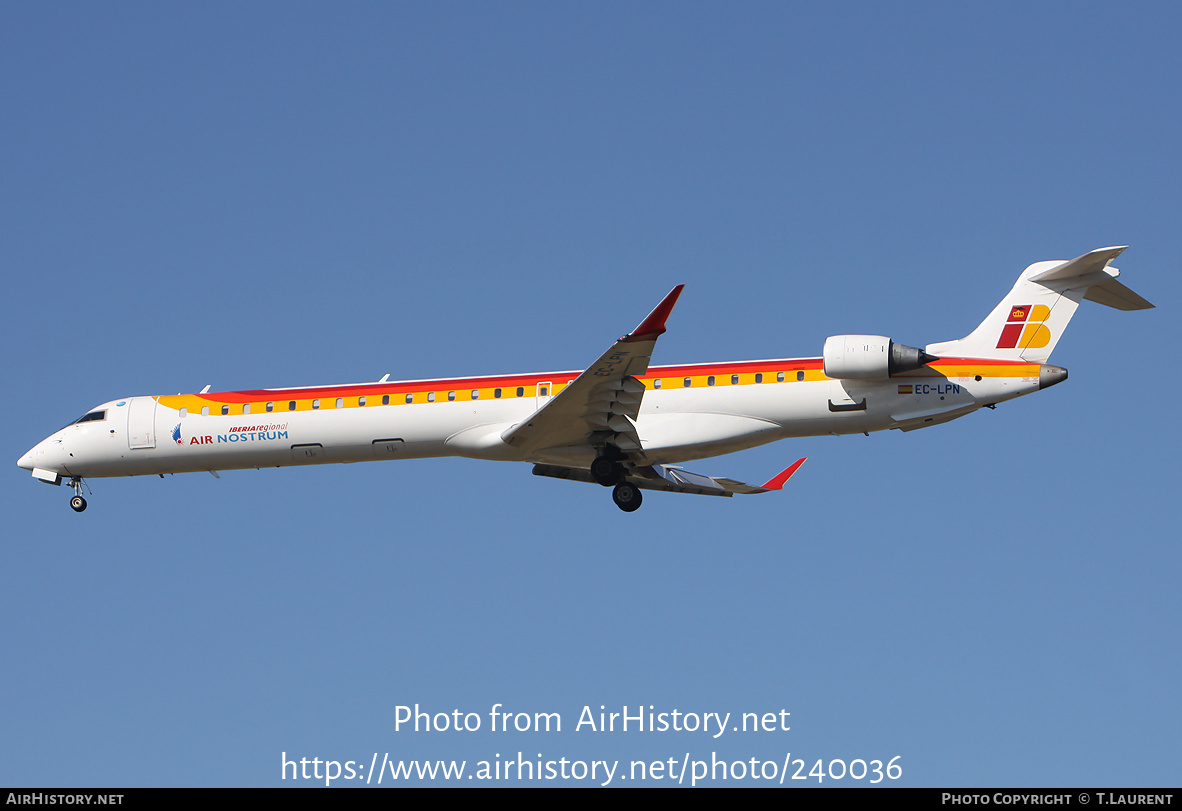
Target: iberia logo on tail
pixel 1025 326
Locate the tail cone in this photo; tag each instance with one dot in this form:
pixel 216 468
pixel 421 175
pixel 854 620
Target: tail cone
pixel 1049 375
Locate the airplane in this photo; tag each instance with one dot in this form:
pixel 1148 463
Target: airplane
pixel 620 423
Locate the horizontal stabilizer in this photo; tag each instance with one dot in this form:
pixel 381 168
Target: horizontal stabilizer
pixel 1027 324
pixel 1114 294
pixel 1091 262
pixel 1107 291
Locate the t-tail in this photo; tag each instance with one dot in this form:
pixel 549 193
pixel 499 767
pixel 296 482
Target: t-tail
pixel 1028 322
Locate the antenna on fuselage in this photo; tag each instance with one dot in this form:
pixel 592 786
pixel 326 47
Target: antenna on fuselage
pixel 385 377
pixel 207 385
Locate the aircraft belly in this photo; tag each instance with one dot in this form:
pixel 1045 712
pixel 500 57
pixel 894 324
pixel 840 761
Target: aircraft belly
pixel 484 442
pixel 216 442
pixel 694 435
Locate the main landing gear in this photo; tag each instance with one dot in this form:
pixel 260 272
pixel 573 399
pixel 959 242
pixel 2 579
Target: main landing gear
pixel 77 503
pixel 627 497
pixel 607 470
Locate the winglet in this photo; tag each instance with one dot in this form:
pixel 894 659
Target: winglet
pixel 654 325
pixel 777 481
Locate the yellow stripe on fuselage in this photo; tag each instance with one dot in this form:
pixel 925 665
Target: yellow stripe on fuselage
pixel 325 398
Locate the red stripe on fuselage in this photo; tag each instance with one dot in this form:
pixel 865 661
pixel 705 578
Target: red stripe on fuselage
pixel 558 378
pixel 503 381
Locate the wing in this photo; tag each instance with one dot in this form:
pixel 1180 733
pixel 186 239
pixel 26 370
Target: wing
pixel 600 406
pixel 676 480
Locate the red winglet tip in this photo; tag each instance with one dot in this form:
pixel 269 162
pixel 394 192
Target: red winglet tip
pixel 777 482
pixel 654 325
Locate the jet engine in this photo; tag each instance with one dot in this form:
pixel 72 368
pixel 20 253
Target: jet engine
pixel 870 357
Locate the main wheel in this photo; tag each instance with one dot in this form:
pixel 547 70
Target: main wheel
pixel 627 497
pixel 77 504
pixel 606 471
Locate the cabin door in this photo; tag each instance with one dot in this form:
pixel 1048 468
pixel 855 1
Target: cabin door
pixel 141 423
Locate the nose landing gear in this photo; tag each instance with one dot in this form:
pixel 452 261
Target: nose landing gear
pixel 77 503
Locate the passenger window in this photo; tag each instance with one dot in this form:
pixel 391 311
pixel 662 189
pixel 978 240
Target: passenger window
pixel 543 391
pixel 430 397
pixel 225 409
pixel 496 392
pixel 184 413
pixel 316 403
pixel 340 402
pixel 710 380
pixel 521 391
pixel 205 411
pixel 410 398
pixel 779 377
pixel 759 377
pixel 687 382
pixel 360 401
pixel 475 394
pixel 291 406
pixel 246 408
pixel 451 395
pixel 800 375
pixel 734 380
pixel 270 407
pixel 657 383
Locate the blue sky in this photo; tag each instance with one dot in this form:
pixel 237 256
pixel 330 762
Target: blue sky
pixel 290 194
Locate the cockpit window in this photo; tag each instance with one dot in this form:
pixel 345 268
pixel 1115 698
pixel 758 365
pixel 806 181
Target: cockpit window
pixel 92 416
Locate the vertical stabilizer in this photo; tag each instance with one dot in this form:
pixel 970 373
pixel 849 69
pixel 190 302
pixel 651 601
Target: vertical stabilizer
pixel 1028 322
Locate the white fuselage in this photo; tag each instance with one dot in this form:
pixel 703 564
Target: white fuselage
pixel 687 412
pixel 621 422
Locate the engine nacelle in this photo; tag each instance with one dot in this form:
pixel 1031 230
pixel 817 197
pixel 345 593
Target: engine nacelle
pixel 870 357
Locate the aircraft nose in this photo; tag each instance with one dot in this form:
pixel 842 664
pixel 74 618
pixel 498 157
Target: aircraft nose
pixel 37 457
pixel 26 461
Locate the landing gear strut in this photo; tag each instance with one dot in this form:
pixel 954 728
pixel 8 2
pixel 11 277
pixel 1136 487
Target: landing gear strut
pixel 77 503
pixel 627 497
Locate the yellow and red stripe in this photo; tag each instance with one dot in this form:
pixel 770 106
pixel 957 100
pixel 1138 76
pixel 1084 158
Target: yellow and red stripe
pixel 672 377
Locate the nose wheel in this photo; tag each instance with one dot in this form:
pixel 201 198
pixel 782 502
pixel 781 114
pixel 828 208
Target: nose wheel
pixel 77 503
